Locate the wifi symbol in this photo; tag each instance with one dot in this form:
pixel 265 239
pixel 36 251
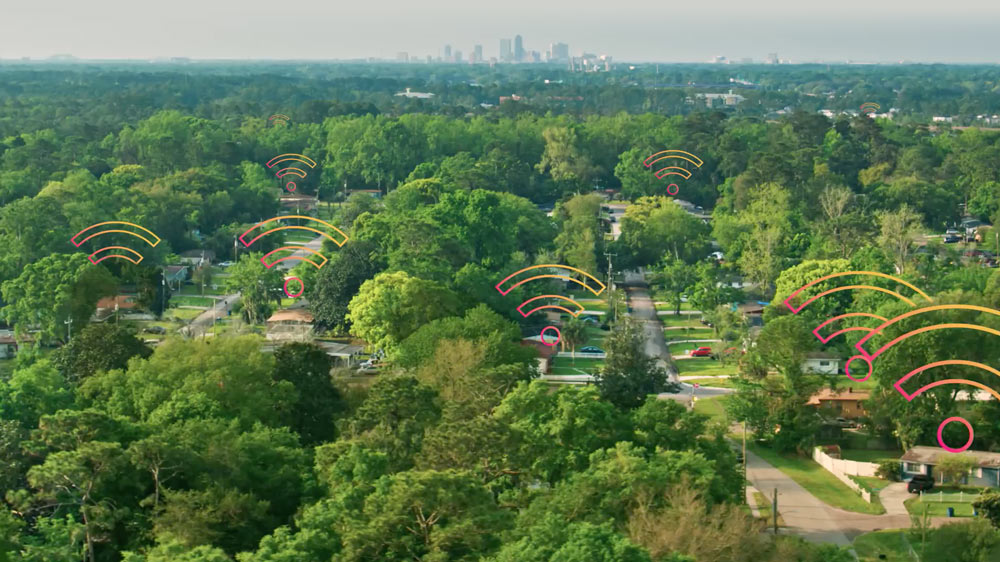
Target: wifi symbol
pixel 869 358
pixel 673 170
pixel 588 282
pixel 298 172
pixel 106 252
pixel 870 107
pixel 312 257
pixel 279 118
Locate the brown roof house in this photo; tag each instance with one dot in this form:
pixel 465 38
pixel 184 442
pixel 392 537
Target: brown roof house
pixel 839 404
pixel 290 324
pixel 921 460
pixel 107 306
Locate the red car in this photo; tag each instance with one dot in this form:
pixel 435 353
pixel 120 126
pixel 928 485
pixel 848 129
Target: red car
pixel 701 352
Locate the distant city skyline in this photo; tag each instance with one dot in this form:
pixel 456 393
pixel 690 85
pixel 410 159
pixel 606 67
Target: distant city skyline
pixel 628 30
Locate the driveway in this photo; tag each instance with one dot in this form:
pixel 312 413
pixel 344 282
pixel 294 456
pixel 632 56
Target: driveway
pixel 816 521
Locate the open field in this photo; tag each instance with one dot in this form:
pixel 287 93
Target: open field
pixel 820 483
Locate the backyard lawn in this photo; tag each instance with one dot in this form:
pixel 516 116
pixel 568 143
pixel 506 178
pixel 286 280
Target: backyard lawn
pixel 818 481
pixel 938 503
pixel 182 314
pixel 565 366
pixel 870 455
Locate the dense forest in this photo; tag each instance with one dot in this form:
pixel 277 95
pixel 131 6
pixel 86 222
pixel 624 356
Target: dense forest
pixel 213 449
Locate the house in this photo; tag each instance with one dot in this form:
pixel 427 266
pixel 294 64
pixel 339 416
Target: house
pixel 107 306
pixel 411 94
pixel 197 258
pixel 545 352
pixel 752 312
pixel 298 202
pixel 9 344
pixel 290 324
pixel 921 460
pixel 839 404
pixel 821 363
pixel 175 275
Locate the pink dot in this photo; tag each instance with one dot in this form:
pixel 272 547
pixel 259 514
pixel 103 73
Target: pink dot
pixel 558 335
pixel 941 430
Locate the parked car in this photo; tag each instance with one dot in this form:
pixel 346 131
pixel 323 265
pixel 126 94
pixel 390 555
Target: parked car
pixel 844 422
pixel 154 330
pixel 919 483
pixel 225 264
pixel 952 238
pixel 951 231
pixel 590 319
pixel 591 349
pixel 701 352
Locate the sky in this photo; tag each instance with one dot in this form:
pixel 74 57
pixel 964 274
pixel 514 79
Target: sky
pixel 628 30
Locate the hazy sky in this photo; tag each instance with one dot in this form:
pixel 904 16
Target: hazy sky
pixel 639 30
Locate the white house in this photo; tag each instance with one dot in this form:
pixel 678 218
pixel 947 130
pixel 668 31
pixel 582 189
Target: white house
pixel 821 363
pixel 411 94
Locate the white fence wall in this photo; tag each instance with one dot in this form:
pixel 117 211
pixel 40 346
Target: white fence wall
pixel 842 468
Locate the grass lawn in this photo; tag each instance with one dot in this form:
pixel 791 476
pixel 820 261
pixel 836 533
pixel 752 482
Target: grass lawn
pixel 891 542
pixel 692 334
pixel 938 509
pixel 871 483
pixel 182 314
pixel 717 383
pixel 188 300
pixel 195 290
pixel 683 348
pixel 820 483
pixel 764 505
pixel 565 366
pixel 662 305
pixel 600 305
pixel 686 320
pixel 713 408
pixel 870 455
pixel 705 366
pixel 596 336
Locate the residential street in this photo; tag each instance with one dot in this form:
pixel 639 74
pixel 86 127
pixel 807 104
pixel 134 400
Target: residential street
pixel 643 310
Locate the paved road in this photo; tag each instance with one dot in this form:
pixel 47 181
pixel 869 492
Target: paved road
pixel 315 245
pixel 644 311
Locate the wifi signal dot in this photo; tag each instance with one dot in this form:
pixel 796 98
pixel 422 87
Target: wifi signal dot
pixel 554 342
pixel 290 185
pixel 302 288
pixel 941 430
pixel 847 368
pixel 672 189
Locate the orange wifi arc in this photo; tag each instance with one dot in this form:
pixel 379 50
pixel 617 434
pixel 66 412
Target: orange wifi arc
pixel 110 227
pixel 562 303
pixel 275 225
pixel 673 170
pixel 291 170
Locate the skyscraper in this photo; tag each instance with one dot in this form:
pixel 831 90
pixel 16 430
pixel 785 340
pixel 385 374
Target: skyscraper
pixel 477 54
pixel 560 52
pixel 505 53
pixel 447 52
pixel 518 49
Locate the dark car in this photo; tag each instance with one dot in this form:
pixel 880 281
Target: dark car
pixel 919 483
pixel 154 330
pixel 952 238
pixel 591 349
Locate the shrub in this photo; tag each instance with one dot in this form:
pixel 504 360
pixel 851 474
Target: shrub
pixel 888 470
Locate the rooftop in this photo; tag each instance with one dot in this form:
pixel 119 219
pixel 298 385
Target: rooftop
pixel 827 395
pixel 930 455
pixel 291 315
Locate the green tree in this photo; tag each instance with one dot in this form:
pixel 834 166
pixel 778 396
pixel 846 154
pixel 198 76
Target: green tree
pixel 259 287
pixel 574 333
pixel 338 282
pixel 98 347
pixel 563 158
pixel 676 278
pixel 955 467
pixel 391 306
pixel 307 367
pixel 54 290
pixel 629 375
pixel 898 231
pixel 551 539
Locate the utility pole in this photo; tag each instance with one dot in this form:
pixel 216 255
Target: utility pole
pixel 774 511
pixel 69 329
pixel 611 283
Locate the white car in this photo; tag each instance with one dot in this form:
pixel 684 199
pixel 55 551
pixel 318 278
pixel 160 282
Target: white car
pixel 225 264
